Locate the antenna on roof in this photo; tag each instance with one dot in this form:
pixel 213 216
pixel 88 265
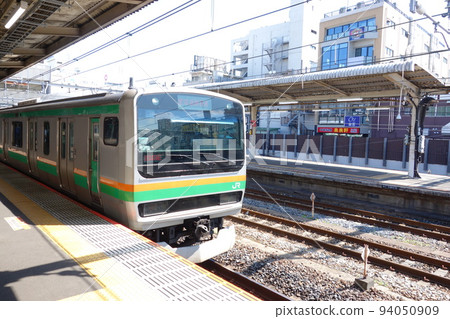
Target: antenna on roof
pixel 131 84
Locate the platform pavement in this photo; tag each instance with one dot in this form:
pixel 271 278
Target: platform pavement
pixel 33 267
pixel 375 177
pixel 53 248
pixel 42 259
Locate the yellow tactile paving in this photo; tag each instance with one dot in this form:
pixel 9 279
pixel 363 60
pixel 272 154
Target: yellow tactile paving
pixel 117 279
pixel 98 295
pixel 118 282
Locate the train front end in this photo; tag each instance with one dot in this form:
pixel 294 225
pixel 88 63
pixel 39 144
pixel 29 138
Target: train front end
pixel 190 170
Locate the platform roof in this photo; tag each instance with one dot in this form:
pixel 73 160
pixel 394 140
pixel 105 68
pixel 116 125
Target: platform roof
pixel 48 26
pixel 369 81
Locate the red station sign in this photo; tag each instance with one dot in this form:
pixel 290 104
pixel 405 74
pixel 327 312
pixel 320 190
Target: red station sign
pixel 338 130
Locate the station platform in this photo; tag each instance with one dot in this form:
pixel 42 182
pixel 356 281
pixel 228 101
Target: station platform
pixel 53 248
pixel 429 194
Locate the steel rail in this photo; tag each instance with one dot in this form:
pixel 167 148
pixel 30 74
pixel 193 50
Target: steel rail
pixel 351 239
pixel 365 213
pixel 243 282
pixel 444 281
pixel 332 210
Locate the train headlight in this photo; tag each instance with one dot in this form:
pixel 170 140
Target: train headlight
pixel 230 198
pixel 154 208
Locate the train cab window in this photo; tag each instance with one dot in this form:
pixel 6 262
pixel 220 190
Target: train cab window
pixel 46 138
pixel 17 136
pixel 111 131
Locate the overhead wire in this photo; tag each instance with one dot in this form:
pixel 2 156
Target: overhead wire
pixel 314 44
pixel 185 6
pixel 125 35
pixel 77 59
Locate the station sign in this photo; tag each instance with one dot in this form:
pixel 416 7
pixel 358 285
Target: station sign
pixel 352 121
pixel 339 130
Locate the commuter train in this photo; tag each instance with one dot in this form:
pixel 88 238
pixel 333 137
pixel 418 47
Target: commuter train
pixel 169 164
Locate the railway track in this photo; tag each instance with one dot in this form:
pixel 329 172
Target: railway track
pixel 428 230
pixel 243 282
pixel 410 271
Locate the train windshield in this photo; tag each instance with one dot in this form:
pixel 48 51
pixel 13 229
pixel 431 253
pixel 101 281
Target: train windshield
pixel 183 133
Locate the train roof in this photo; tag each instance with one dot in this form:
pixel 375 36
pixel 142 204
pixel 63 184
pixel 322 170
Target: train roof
pixel 87 100
pixel 101 99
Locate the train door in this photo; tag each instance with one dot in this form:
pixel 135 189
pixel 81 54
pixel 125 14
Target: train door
pixel 66 154
pixel 32 146
pixel 94 135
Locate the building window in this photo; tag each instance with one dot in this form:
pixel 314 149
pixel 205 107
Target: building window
pixel 426 47
pixel 344 30
pixel 438 111
pixel 111 131
pixel 444 60
pixel 405 33
pixel 366 51
pixel 17 136
pixel 389 52
pixel 371 25
pixel 334 56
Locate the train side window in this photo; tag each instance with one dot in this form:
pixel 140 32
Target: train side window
pixel 111 131
pixel 46 138
pixel 71 148
pixel 17 136
pixel 63 140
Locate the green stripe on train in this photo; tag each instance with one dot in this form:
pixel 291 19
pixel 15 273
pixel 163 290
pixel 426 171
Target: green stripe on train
pixel 91 110
pixel 18 157
pixel 80 180
pixel 171 192
pixel 47 168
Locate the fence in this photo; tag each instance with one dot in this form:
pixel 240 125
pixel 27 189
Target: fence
pixel 361 151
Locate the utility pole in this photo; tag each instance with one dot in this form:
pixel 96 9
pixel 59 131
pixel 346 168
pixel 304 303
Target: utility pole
pixel 417 138
pixel 412 139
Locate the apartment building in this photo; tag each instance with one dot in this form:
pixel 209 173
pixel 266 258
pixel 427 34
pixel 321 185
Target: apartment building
pixel 281 49
pixel 378 31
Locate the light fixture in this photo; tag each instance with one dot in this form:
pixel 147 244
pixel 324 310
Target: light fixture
pixel 349 99
pixel 287 102
pixel 17 14
pixel 420 9
pixel 321 110
pixel 377 108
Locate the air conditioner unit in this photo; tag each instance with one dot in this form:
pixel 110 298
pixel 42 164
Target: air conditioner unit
pixel 360 5
pixel 342 10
